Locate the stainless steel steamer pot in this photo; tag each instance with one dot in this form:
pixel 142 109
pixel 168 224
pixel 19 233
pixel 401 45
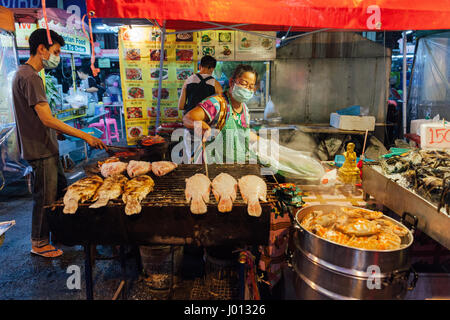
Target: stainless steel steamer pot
pixel 327 270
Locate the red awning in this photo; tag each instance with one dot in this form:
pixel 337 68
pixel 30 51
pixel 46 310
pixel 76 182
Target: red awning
pixel 279 15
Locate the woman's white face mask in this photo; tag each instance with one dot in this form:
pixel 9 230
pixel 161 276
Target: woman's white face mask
pixel 241 94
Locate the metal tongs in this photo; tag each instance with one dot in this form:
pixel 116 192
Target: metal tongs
pixel 203 147
pixel 204 159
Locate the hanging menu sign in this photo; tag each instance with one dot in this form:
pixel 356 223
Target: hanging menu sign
pixel 140 53
pixel 226 45
pixel 218 44
pixel 250 47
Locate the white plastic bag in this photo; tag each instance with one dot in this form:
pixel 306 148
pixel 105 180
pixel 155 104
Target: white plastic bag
pixel 287 162
pixel 269 111
pixel 77 99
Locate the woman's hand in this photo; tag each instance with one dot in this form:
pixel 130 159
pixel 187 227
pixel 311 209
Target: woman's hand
pixel 206 132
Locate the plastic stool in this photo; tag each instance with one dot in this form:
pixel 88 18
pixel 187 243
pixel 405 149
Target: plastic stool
pixel 113 134
pixel 99 125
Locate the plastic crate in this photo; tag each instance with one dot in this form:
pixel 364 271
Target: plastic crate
pixel 92 131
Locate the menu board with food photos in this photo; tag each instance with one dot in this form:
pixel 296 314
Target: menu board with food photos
pixel 140 53
pixel 228 45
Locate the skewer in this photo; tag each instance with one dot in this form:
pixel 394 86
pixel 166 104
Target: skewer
pixel 204 159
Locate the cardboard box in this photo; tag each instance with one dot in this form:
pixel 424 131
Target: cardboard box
pixel 359 123
pixel 435 136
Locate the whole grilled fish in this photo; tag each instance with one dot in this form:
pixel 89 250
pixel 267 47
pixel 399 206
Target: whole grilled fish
pixel 82 190
pixel 197 192
pixel 224 188
pixel 112 188
pixel 137 168
pixel 253 189
pixel 135 190
pixel 161 168
pixel 112 168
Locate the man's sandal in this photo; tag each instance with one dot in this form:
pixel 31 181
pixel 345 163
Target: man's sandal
pixel 45 253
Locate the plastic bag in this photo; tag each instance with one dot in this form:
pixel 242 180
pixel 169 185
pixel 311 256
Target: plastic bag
pixel 287 162
pixel 77 99
pixel 269 111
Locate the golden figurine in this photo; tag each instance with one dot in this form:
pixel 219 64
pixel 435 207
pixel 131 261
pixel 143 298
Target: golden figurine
pixel 349 172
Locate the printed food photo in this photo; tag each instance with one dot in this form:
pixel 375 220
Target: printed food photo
pixel 155 55
pixel 184 54
pixel 136 93
pixel 133 54
pixel 133 74
pixel 171 112
pixel 164 93
pixel 154 73
pixel 135 131
pixel 185 37
pixel 134 112
pixel 183 74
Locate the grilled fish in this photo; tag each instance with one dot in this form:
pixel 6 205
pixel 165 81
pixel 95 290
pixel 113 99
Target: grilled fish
pixel 134 191
pixel 137 168
pixel 253 188
pixel 112 188
pixel 197 192
pixel 82 190
pixel 224 188
pixel 161 168
pixel 112 168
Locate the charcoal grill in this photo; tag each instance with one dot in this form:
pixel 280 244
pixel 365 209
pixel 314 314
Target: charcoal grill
pixel 165 217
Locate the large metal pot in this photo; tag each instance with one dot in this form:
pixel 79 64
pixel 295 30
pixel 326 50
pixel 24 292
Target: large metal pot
pixel 327 270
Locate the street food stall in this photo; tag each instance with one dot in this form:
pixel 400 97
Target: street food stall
pixel 152 204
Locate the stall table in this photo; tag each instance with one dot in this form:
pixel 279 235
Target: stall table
pixel 165 218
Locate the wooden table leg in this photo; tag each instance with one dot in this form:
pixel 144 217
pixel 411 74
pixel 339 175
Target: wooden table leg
pixel 88 272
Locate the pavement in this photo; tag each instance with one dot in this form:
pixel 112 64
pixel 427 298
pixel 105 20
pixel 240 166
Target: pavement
pixel 24 276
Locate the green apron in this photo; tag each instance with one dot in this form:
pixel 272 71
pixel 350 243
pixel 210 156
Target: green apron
pixel 235 142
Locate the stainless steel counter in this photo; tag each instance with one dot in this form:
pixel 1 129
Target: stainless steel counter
pixel 434 223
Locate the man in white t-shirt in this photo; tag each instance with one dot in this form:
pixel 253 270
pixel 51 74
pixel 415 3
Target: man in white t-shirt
pixel 199 86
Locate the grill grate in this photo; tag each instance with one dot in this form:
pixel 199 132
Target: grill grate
pixel 169 189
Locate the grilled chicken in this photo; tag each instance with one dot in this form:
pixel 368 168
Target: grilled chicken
pixel 112 168
pixel 82 190
pixel 112 188
pixel 197 192
pixel 161 168
pixel 137 168
pixel 253 189
pixel 224 188
pixel 134 191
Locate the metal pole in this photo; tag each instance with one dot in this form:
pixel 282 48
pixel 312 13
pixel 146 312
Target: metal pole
pixel 208 29
pixel 305 34
pixel 404 104
pixel 161 65
pixel 245 31
pixel 88 272
pixel 74 77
